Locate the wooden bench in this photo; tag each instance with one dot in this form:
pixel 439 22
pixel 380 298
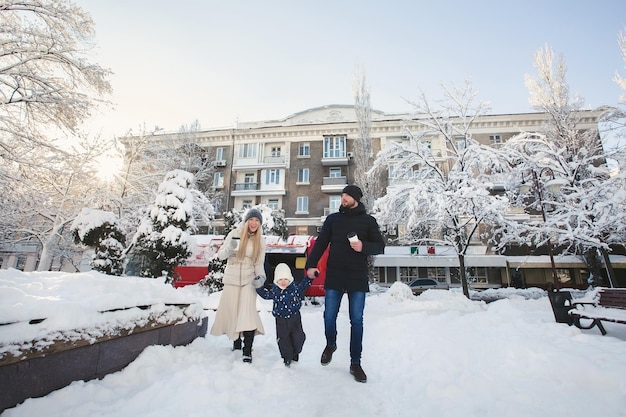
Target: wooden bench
pixel 610 306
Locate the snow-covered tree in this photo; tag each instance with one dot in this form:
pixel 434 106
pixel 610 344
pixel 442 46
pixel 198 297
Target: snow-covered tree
pixel 147 160
pixel 48 88
pixel 213 281
pixel 586 206
pixel 613 121
pixel 370 183
pixel 442 198
pixel 43 199
pixel 101 230
pixel 619 79
pixel 191 157
pixel 162 240
pixel 47 85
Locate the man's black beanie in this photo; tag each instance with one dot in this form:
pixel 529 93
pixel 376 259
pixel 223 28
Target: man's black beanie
pixel 353 191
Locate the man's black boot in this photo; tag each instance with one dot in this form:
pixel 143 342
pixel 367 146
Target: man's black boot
pixel 327 355
pixel 358 373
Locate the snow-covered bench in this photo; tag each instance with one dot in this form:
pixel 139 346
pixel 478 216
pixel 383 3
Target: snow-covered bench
pixel 609 306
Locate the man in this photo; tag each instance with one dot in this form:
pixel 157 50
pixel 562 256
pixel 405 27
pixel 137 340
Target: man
pixel 347 271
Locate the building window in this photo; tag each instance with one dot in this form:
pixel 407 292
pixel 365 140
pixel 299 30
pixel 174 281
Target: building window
pixel 249 182
pixel 273 203
pixel 303 175
pixel 495 139
pixel 563 275
pixel 21 263
pixel 246 204
pixel 436 273
pixel 218 180
pixel 272 176
pixel 408 273
pixel 391 169
pixel 335 147
pixel 304 149
pixel 459 142
pixel 477 274
pixel 220 154
pixel 275 150
pixel 303 204
pixel 334 202
pixel 219 204
pixel 247 150
pixel 334 172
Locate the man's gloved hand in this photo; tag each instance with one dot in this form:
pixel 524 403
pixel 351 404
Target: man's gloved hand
pixel 258 281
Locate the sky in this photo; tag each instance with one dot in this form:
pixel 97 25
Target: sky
pixel 437 354
pixel 221 62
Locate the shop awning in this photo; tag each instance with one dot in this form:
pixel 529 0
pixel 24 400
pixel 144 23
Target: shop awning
pixel 561 262
pixel 497 261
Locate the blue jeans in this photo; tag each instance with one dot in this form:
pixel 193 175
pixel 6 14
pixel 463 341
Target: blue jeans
pixel 356 304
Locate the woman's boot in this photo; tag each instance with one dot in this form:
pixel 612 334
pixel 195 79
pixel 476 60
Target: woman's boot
pixel 248 339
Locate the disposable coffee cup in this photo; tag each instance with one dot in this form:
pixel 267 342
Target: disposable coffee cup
pixel 352 237
pixel 235 243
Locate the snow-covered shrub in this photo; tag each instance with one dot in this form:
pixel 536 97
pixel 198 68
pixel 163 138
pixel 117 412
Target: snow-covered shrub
pixel 101 230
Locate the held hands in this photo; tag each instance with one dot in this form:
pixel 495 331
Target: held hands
pixel 258 282
pixel 312 272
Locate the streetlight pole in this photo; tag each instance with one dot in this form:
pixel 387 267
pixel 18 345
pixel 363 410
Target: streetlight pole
pixel 538 188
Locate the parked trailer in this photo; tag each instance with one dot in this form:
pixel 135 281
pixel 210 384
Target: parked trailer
pixel 293 252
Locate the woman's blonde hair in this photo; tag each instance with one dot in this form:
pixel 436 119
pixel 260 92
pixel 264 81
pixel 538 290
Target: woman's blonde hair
pixel 244 237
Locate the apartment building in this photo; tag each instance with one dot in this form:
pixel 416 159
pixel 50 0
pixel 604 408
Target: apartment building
pixel 301 163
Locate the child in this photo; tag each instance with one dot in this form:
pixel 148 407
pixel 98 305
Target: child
pixel 287 296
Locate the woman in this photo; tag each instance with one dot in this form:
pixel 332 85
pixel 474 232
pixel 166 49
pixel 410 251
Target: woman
pixel 244 249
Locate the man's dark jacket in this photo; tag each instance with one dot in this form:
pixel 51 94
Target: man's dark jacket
pixel 347 269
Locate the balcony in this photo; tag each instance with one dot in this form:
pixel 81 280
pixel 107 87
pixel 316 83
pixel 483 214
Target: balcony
pixel 262 162
pixel 334 184
pixel 275 160
pixel 246 186
pixel 245 189
pixel 335 161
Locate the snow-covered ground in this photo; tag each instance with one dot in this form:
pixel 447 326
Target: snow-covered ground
pixel 438 354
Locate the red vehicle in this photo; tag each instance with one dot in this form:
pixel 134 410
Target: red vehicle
pixel 293 252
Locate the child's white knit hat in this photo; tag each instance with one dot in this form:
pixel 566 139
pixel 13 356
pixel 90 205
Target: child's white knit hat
pixel 282 271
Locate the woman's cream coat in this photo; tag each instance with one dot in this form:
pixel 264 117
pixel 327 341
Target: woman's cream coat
pixel 237 310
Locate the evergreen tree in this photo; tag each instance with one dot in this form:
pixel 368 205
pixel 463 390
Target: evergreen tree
pixel 162 240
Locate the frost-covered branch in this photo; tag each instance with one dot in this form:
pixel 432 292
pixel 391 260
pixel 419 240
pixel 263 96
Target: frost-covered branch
pixel 441 176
